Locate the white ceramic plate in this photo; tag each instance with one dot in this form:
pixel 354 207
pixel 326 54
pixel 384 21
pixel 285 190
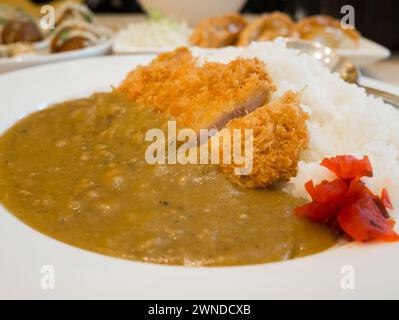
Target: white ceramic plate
pixel 82 274
pixel 23 61
pixel 367 53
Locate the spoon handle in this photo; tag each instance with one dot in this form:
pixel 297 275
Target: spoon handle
pixel 386 96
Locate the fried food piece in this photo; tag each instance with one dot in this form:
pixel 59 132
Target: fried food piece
pixel 69 10
pixel 199 96
pixel 279 135
pixel 71 44
pixel 326 30
pixel 74 35
pixel 267 27
pixel 20 30
pixel 218 31
pixel 231 96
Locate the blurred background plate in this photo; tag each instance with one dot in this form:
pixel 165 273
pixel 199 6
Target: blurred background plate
pixel 367 53
pixel 15 63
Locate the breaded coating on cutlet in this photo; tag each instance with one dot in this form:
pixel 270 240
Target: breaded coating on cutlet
pixel 199 96
pixel 280 134
pixel 234 95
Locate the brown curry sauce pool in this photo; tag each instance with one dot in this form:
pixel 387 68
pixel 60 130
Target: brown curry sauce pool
pixel 76 172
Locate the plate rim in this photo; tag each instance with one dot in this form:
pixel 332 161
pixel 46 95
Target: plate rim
pixel 112 277
pixel 56 57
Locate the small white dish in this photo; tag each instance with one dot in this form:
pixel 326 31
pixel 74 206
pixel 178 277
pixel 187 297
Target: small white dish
pixel 24 61
pixel 27 256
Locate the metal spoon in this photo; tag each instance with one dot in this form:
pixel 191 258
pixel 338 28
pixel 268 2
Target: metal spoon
pixel 336 63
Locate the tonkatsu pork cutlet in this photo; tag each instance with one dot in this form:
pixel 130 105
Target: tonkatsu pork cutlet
pixel 279 135
pixel 199 96
pixel 233 96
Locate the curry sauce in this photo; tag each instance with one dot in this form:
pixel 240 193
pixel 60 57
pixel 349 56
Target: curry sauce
pixel 76 172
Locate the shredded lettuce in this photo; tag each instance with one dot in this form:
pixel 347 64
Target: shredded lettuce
pixel 157 31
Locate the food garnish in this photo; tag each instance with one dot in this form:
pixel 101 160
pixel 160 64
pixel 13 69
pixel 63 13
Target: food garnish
pixel 347 205
pixel 158 31
pixel 348 167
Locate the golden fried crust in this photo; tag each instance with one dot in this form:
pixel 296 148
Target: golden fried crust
pixel 313 27
pixel 280 134
pixel 218 32
pixel 267 27
pixel 199 96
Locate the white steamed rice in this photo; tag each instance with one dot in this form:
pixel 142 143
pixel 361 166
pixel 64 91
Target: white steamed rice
pixel 343 119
